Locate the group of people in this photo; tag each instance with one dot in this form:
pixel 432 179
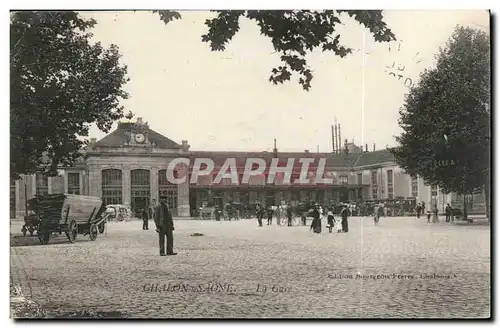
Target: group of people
pixel 164 223
pixel 340 224
pixel 268 213
pixel 420 209
pixel 317 212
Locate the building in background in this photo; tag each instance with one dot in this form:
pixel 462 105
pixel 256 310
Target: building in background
pixel 129 166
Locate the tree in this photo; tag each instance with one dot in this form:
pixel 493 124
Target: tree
pixel 60 84
pixel 293 33
pixel 446 118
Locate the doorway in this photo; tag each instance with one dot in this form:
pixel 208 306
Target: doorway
pixel 140 190
pixel 139 203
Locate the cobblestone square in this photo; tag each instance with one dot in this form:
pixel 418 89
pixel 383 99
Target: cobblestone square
pixel 404 268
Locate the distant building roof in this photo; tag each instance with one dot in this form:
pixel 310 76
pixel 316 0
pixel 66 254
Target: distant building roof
pixel 332 160
pixel 374 157
pixel 118 137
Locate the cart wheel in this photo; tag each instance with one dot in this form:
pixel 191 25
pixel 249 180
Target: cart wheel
pixel 93 232
pixel 101 227
pixel 44 236
pixel 72 231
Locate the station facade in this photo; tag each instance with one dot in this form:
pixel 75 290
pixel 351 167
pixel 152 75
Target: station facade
pixel 129 166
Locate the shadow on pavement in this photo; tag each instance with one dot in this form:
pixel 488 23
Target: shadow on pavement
pixel 19 241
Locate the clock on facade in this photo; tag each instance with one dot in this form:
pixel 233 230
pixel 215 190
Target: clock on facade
pixel 139 138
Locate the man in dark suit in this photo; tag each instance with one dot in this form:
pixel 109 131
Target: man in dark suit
pixel 165 227
pixel 289 215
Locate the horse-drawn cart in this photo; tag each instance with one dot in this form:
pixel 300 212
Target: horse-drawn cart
pixel 71 214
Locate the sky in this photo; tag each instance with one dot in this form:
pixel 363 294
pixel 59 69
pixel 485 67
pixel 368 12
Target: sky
pixel 223 100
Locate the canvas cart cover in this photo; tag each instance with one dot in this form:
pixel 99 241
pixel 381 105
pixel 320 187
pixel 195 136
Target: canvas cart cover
pixel 55 207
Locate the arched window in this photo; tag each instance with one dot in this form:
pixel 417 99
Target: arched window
pixel 112 186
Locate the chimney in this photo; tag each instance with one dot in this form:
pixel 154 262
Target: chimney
pixel 275 150
pixel 185 145
pixel 306 151
pixel 139 121
pixel 339 141
pixel 93 141
pixel 346 150
pixel 333 141
pixel 373 147
pixel 366 147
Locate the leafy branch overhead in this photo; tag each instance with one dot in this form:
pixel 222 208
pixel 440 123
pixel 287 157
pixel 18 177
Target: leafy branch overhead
pixel 60 84
pixel 293 34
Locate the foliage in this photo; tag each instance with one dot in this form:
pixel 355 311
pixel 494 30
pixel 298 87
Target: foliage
pixel 60 83
pixel 293 34
pixel 446 117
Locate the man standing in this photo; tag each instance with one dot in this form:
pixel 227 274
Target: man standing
pixel 260 214
pixel 344 214
pixel 165 227
pixel 270 213
pixel 419 210
pixel 145 218
pixel 289 214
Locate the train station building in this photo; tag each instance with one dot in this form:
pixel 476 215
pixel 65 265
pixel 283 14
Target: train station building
pixel 129 166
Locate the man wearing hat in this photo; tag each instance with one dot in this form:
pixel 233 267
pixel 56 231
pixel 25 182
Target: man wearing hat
pixel 165 227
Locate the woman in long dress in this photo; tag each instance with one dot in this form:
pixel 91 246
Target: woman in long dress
pixel 331 220
pixel 316 222
pixel 435 218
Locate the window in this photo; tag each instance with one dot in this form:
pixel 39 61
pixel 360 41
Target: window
pixel 245 198
pixel 111 186
pixel 253 197
pixel 375 192
pixel 390 187
pixel 360 178
pixel 139 177
pixel 389 177
pixel 312 196
pixel 42 184
pixel 162 177
pixel 74 183
pixel 321 196
pixel 343 179
pixel 414 187
pixel 434 191
pixel 390 192
pixel 170 195
pixel 374 178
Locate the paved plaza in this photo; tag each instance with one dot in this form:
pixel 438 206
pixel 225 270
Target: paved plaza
pixel 402 268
